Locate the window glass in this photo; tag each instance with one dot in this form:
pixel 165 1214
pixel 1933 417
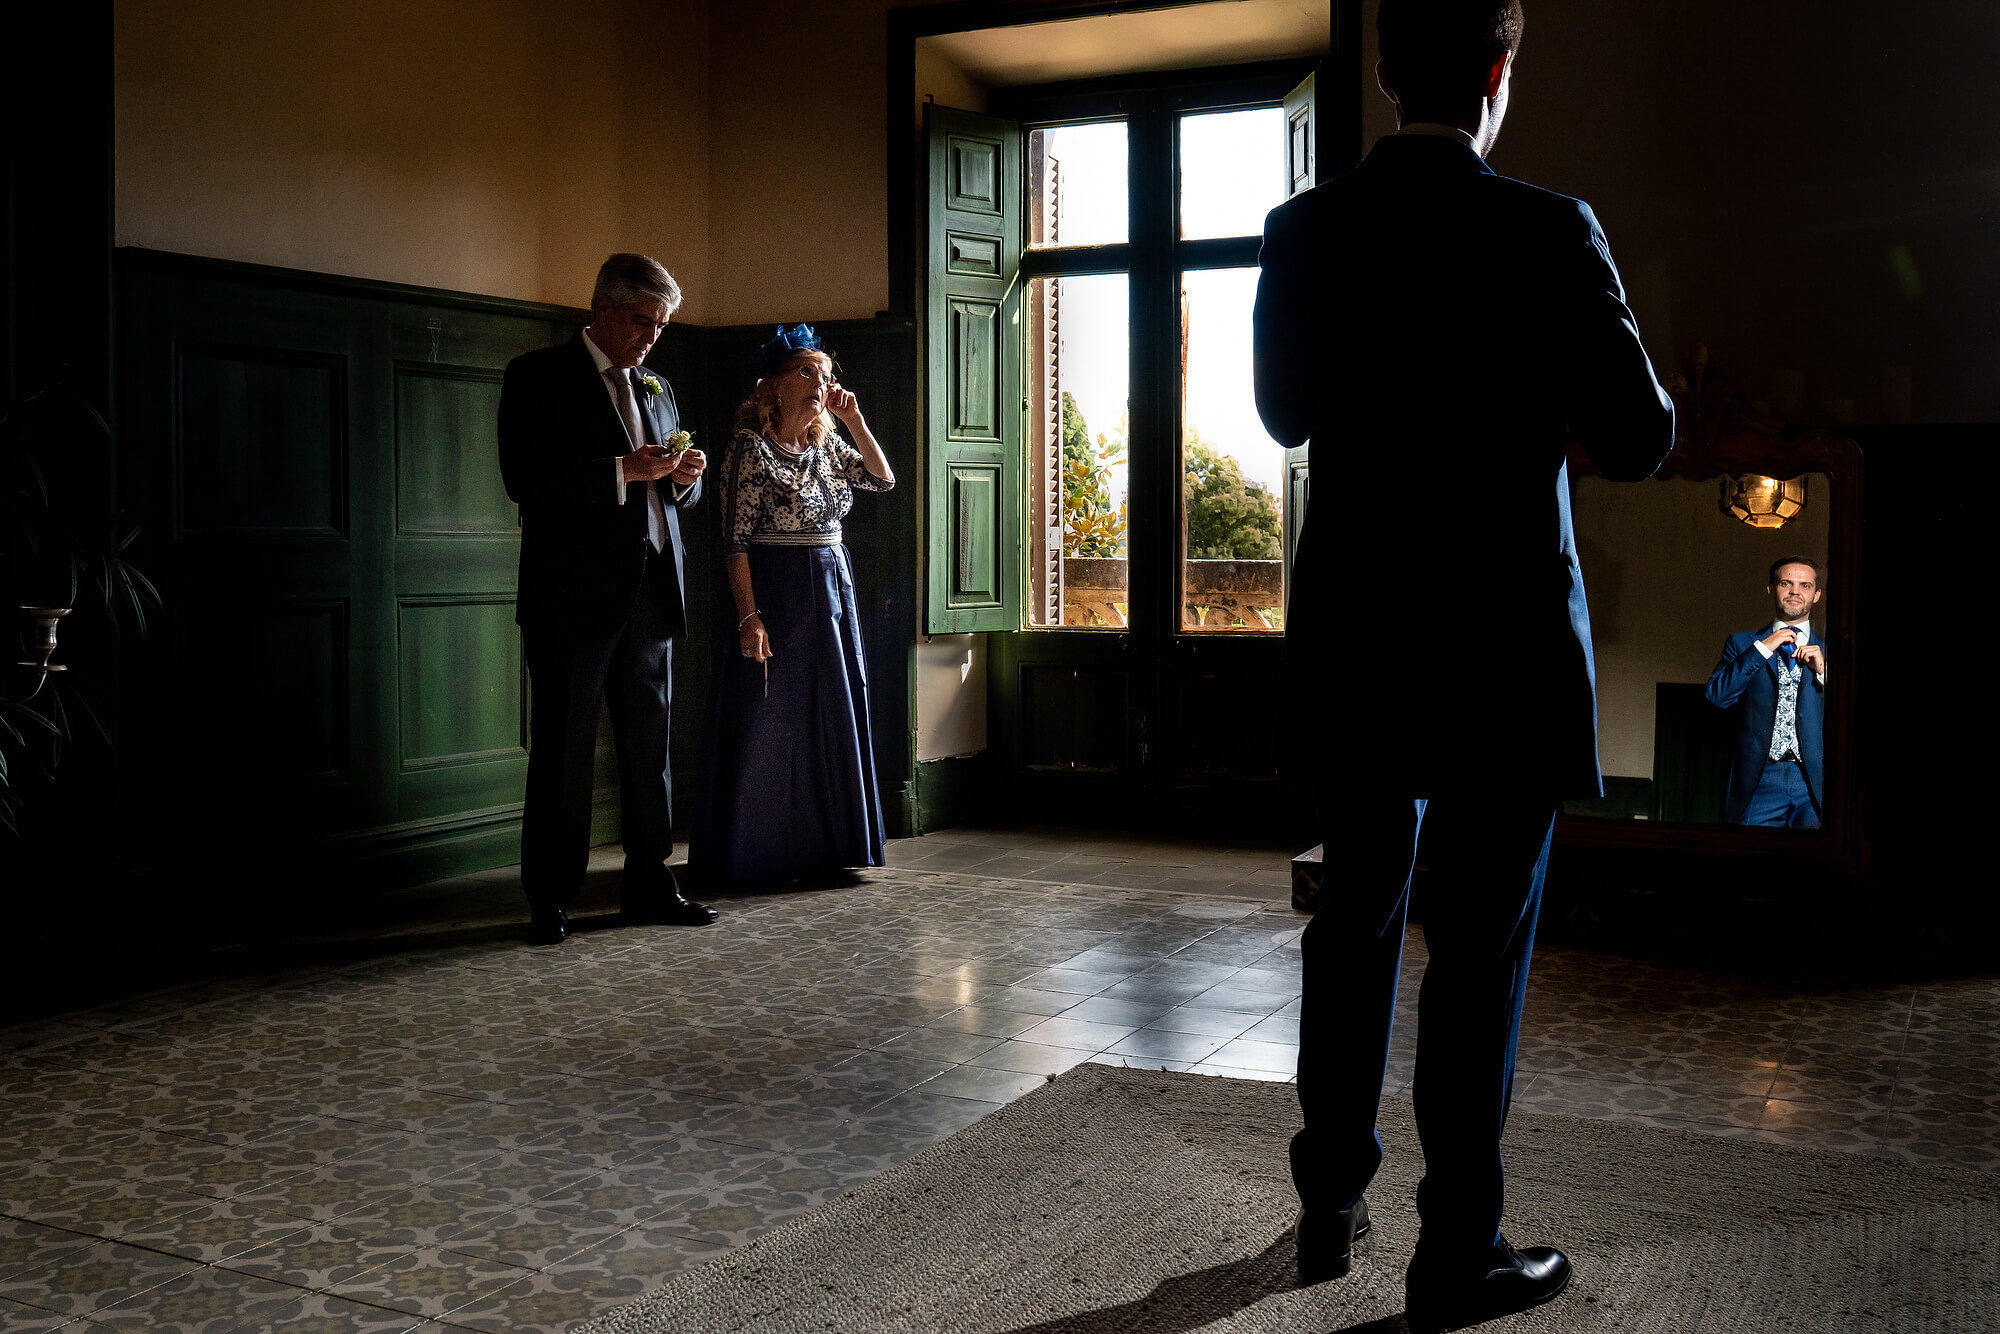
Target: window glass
pixel 1232 473
pixel 1077 382
pixel 1232 171
pixel 1076 185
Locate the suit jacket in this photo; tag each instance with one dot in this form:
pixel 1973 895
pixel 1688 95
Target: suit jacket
pixel 583 554
pixel 1439 334
pixel 1745 683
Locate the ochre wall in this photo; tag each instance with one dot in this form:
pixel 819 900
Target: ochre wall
pixel 499 148
pixel 800 216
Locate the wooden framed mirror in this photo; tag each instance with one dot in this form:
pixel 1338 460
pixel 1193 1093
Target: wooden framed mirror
pixel 1671 573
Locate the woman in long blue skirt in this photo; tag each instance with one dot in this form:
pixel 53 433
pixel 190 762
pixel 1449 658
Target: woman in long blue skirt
pixel 791 790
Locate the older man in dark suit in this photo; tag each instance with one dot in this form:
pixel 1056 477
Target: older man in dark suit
pixel 584 434
pixel 1439 333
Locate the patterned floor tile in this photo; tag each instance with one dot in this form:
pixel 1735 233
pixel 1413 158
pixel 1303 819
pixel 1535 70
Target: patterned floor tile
pixel 317 1257
pixel 26 1247
pixel 105 1273
pixel 18 1319
pixel 429 1282
pixel 208 1301
pixel 539 1304
pixel 215 1234
pixel 536 1237
pixel 110 1212
pixel 324 1313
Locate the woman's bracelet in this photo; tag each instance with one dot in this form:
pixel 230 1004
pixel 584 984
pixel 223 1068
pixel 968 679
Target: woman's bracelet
pixel 746 620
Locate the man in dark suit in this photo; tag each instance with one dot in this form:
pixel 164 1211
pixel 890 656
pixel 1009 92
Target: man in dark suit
pixel 583 449
pixel 1772 682
pixel 1439 333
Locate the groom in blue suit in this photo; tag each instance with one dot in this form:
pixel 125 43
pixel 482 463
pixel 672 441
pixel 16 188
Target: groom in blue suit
pixel 1440 334
pixel 1772 682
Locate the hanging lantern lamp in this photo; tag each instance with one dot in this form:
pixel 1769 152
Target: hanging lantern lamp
pixel 1763 502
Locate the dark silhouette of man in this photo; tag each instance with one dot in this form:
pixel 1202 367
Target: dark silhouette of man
pixel 1772 683
pixel 1439 333
pixel 583 451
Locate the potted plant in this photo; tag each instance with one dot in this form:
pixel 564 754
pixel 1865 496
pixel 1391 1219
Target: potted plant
pixel 58 555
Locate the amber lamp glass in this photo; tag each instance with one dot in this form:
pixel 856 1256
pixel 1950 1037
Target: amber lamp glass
pixel 1763 502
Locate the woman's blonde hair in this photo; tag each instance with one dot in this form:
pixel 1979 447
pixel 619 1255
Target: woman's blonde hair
pixel 759 412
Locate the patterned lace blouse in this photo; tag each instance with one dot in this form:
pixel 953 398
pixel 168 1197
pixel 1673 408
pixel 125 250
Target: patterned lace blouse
pixel 771 491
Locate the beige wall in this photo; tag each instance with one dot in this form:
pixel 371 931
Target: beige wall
pixel 798 170
pixel 1807 189
pixel 501 148
pixel 1669 578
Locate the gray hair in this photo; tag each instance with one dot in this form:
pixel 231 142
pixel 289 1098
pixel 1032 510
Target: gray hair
pixel 626 280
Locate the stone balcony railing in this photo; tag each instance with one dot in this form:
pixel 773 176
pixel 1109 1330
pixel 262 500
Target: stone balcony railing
pixel 1222 595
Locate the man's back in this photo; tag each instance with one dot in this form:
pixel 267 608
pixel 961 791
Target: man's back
pixel 1440 333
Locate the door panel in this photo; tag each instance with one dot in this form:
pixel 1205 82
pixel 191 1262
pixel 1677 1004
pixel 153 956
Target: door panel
pixel 972 428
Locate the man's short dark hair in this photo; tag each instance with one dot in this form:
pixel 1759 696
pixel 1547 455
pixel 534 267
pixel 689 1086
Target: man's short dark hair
pixel 1437 52
pixel 625 279
pixel 1782 561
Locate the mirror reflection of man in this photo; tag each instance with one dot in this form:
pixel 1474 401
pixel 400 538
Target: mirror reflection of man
pixel 1772 683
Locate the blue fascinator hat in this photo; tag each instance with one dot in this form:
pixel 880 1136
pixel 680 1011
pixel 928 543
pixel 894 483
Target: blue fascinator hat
pixel 785 344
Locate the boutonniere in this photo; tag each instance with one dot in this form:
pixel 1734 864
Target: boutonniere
pixel 680 440
pixel 651 385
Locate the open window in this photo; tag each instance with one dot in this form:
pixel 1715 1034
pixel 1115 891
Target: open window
pixel 1088 360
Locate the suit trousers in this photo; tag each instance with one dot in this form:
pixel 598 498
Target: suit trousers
pixel 573 677
pixel 1487 855
pixel 1782 798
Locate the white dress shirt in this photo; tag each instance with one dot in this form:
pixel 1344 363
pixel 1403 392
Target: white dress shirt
pixel 1804 628
pixel 603 364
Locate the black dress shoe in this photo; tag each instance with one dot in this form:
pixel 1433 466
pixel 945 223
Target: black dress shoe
pixel 548 926
pixel 1448 1296
pixel 1325 1239
pixel 666 905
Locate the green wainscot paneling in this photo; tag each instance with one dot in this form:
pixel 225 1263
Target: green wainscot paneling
pixel 314 461
pixel 447 472
pixel 262 441
pixel 460 681
pixel 291 718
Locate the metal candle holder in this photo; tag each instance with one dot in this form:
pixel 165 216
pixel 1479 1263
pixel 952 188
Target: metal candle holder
pixel 44 620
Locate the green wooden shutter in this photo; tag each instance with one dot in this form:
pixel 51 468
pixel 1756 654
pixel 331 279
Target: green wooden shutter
pixel 972 374
pixel 1301 174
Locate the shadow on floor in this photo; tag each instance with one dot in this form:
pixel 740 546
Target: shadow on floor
pixel 1190 1301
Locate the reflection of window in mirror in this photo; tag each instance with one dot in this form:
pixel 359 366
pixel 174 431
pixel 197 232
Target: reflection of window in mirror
pixel 1671 577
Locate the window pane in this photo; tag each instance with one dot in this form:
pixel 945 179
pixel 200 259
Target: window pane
pixel 1076 185
pixel 1232 489
pixel 1077 385
pixel 1232 171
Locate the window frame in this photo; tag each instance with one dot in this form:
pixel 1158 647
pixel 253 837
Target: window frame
pixel 1153 257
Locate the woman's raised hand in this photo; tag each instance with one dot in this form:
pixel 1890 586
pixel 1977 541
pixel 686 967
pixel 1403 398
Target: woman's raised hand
pixel 843 405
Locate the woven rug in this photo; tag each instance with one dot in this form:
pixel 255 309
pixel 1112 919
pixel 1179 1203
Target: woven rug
pixel 1116 1200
